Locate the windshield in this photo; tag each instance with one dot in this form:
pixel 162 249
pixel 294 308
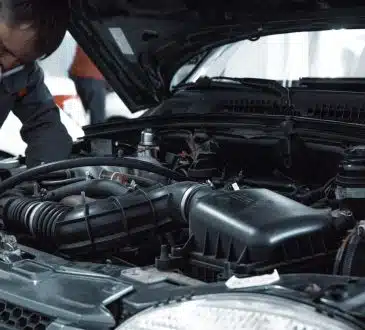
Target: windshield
pixel 286 57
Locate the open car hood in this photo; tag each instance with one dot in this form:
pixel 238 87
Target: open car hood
pixel 139 45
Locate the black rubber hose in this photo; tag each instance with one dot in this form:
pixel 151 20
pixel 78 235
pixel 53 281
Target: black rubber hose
pixel 287 187
pixel 144 182
pixel 92 188
pixel 57 175
pixel 314 195
pixel 133 163
pixel 57 183
pixel 310 197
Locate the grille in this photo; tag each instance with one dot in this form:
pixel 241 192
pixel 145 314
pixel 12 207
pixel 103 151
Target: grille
pixel 15 317
pixel 346 112
pixel 338 112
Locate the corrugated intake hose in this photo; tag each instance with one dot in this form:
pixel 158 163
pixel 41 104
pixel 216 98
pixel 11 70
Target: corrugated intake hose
pixel 104 223
pixel 348 255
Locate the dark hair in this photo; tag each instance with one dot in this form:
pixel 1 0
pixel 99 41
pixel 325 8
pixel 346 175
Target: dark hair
pixel 49 18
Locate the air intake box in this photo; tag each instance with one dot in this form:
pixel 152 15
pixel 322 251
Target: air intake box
pixel 258 227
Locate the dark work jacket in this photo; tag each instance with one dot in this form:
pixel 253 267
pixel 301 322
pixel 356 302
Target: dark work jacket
pixel 28 97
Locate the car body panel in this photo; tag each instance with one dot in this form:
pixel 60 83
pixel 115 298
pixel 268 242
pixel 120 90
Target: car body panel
pixel 139 46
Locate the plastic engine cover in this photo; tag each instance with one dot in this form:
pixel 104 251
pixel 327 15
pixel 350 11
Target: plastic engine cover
pixel 258 225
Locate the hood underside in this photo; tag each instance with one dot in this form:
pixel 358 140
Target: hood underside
pixel 139 45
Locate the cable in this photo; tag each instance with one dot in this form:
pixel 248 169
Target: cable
pixel 88 161
pixel 57 175
pixel 315 194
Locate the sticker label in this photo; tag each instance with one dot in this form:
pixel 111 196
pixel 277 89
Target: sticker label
pixel 247 282
pixel 235 186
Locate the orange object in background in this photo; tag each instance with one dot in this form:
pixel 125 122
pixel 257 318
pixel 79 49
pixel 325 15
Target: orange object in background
pixel 61 99
pixel 83 67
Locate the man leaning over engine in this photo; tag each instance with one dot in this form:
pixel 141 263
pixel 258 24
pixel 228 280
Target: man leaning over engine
pixel 31 30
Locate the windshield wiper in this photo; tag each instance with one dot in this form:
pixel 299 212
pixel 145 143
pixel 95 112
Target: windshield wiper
pixel 263 85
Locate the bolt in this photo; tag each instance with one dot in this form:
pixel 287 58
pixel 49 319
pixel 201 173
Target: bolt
pixel 120 153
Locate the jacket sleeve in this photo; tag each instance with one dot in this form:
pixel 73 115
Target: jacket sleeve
pixel 46 137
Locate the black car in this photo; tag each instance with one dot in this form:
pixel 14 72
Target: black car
pixel 234 202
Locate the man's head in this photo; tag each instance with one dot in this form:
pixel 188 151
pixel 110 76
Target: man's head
pixel 30 29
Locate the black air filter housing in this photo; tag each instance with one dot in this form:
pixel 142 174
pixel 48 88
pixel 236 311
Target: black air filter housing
pixel 259 226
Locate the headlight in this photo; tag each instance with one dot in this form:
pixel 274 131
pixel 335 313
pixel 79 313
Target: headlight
pixel 234 312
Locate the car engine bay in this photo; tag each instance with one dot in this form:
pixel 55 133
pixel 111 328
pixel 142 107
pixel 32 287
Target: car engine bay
pixel 172 214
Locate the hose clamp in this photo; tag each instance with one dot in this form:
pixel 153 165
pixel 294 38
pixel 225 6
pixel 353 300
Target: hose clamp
pixel 186 197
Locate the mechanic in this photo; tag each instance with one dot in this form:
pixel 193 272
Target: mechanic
pixel 90 85
pixel 31 30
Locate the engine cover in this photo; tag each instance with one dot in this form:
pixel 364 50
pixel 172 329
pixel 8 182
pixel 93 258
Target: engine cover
pixel 259 226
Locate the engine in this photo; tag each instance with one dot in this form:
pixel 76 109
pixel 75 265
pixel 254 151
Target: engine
pixel 178 218
pixel 227 231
